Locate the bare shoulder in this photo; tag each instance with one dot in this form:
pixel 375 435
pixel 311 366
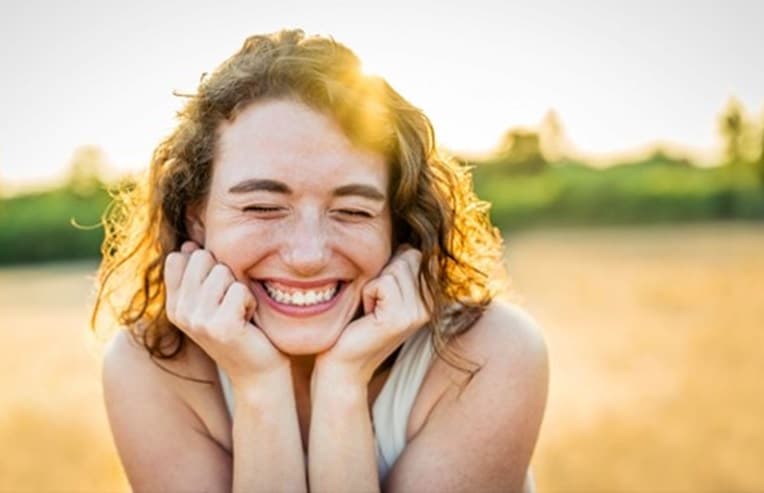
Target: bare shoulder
pixel 508 346
pixel 497 412
pixel 189 380
pixel 509 330
pixel 123 356
pixel 162 424
pixel 506 339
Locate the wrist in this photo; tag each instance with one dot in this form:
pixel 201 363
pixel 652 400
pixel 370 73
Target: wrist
pixel 263 387
pixel 340 383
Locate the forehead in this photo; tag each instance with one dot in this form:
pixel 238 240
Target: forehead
pixel 287 140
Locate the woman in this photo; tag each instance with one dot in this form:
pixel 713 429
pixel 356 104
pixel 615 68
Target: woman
pixel 308 291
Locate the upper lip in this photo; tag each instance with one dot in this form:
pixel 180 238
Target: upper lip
pixel 302 284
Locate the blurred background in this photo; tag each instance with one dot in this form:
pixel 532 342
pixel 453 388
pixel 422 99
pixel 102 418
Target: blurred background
pixel 622 148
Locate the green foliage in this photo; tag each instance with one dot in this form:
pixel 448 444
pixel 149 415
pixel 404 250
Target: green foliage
pixel 41 227
pixel 655 190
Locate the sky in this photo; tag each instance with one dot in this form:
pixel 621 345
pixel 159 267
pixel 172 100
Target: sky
pixel 620 75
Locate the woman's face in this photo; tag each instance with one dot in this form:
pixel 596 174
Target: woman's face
pixel 301 216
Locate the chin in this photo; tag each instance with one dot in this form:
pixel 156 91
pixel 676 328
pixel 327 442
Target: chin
pixel 303 334
pixel 305 340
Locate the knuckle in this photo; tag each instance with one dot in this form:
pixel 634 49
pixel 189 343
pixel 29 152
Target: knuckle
pixel 387 279
pixel 397 267
pixel 201 257
pixel 385 284
pixel 235 289
pixel 221 272
pixel 200 254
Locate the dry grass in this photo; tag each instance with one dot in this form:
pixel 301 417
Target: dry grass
pixel 655 337
pixel 53 431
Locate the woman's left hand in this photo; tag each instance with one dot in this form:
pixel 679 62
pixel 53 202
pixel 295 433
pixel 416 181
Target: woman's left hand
pixel 393 310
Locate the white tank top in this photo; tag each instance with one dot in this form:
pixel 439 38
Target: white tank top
pixel 392 407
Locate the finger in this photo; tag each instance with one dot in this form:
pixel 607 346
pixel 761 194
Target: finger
pixel 214 287
pixel 412 302
pixel 379 291
pixel 399 272
pixel 385 291
pixel 415 293
pixel 174 266
pixel 369 296
pixel 238 302
pixel 199 266
pixel 408 255
pixel 413 259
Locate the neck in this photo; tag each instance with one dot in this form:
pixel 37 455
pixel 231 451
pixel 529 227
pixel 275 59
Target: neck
pixel 302 366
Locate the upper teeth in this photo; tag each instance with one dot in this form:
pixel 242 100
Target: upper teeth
pixel 301 297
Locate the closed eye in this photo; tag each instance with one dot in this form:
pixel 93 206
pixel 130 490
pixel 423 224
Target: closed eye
pixel 261 208
pixel 354 213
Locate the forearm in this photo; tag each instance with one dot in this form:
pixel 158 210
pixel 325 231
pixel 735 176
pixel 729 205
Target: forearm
pixel 267 448
pixel 341 453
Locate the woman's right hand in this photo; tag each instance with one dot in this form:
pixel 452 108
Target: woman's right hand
pixel 205 301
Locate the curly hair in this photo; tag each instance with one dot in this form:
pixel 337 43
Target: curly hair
pixel 433 204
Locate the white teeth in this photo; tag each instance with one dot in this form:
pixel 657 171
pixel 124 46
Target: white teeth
pixel 301 298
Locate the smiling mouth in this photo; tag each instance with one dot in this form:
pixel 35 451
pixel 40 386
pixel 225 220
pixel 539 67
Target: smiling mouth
pixel 290 296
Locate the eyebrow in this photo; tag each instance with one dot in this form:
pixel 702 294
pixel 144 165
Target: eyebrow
pixel 366 191
pixel 265 185
pixel 254 185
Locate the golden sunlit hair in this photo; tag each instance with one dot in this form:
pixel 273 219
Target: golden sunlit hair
pixel 433 205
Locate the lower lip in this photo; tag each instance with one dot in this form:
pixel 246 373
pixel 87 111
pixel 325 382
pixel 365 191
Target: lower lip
pixel 298 311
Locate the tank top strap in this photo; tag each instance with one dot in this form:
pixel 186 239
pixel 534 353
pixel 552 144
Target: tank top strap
pixel 392 407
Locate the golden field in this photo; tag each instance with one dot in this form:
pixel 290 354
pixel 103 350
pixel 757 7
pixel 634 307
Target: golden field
pixel 656 347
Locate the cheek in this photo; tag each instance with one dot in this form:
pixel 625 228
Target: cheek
pixel 238 246
pixel 368 248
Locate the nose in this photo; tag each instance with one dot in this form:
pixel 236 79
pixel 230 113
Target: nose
pixel 306 247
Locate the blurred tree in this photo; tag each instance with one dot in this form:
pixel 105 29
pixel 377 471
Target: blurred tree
pixel 552 137
pixel 665 157
pixel 760 160
pixel 731 126
pixel 739 135
pixel 741 155
pixel 520 151
pixel 86 170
